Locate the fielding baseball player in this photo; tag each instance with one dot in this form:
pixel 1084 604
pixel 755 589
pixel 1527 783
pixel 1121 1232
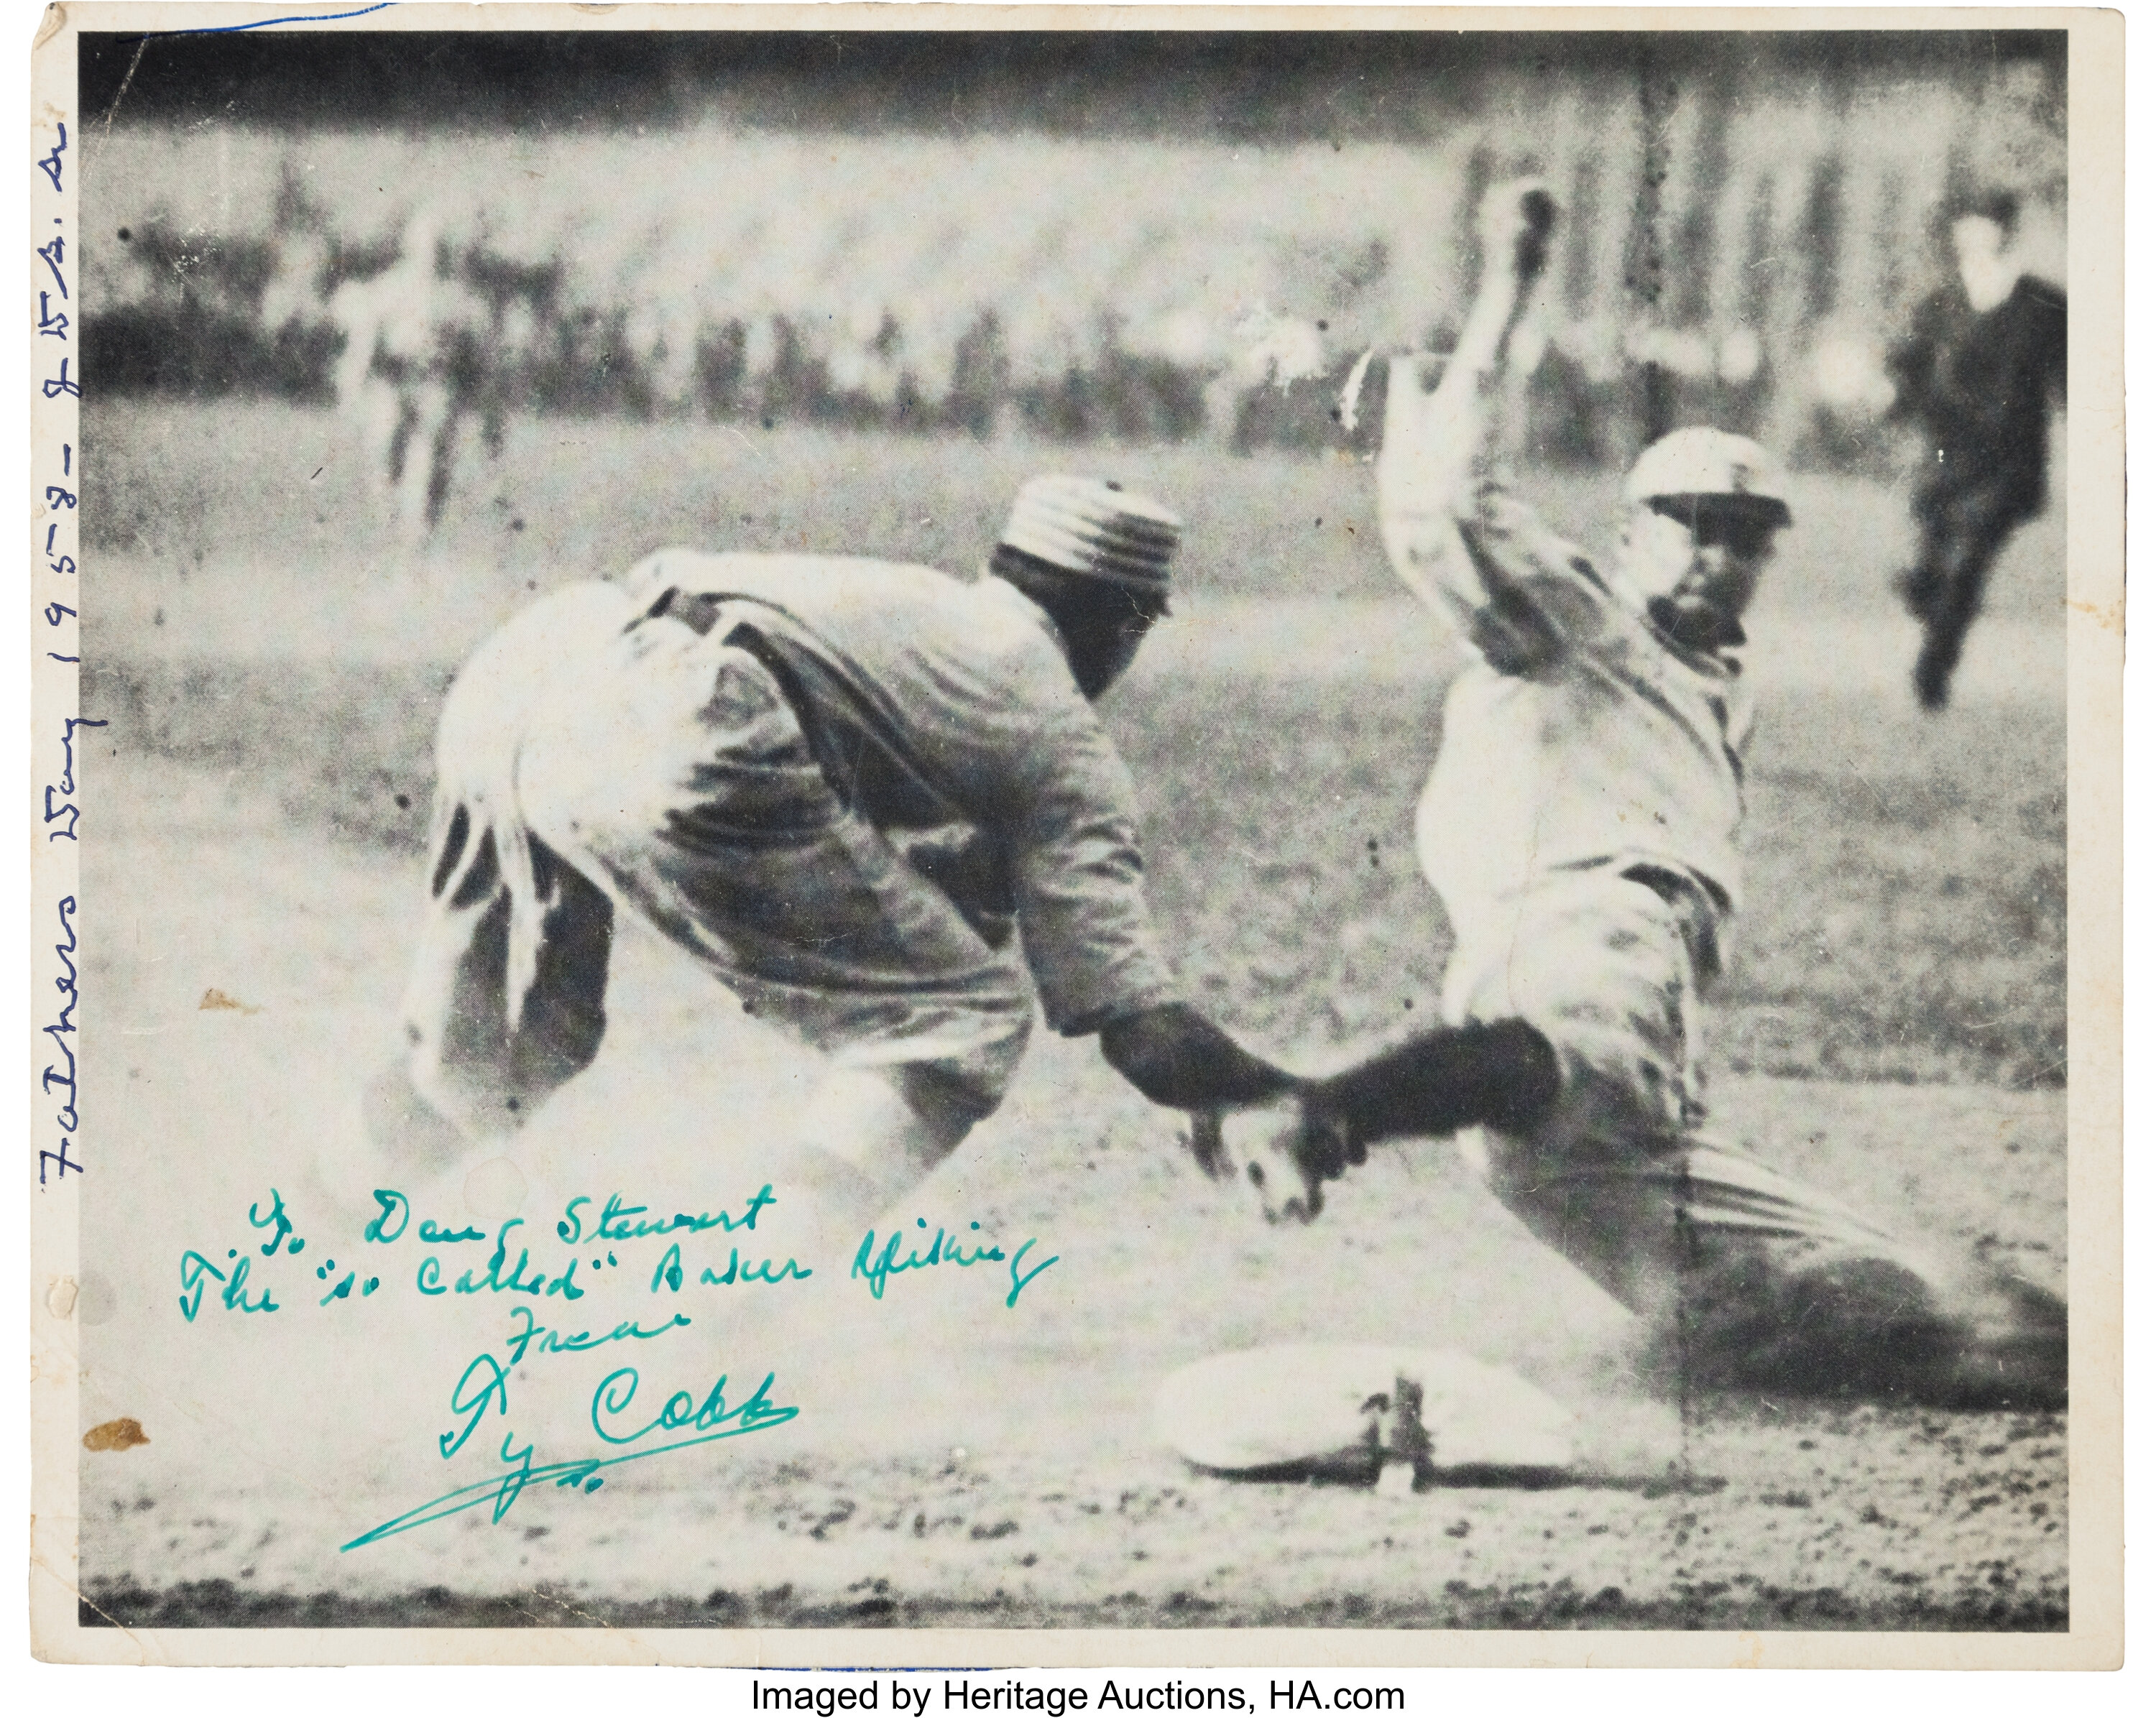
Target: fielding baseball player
pixel 872 799
pixel 1581 825
pixel 1984 359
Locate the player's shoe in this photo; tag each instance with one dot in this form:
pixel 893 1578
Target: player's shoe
pixel 1864 1327
pixel 2007 1347
pixel 1933 674
pixel 1359 1413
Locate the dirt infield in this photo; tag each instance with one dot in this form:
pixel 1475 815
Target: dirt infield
pixel 992 1465
pixel 986 1464
pixel 1893 1025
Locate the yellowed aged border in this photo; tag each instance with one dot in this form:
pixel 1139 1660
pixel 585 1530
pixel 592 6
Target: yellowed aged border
pixel 55 466
pixel 2095 490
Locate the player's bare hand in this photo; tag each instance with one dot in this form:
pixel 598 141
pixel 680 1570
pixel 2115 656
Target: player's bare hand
pixel 1280 1151
pixel 1516 220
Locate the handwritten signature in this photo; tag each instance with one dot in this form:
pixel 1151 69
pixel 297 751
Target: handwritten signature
pixel 877 1268
pixel 711 1419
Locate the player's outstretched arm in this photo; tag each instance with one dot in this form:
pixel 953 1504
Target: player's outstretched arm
pixel 1504 1073
pixel 1182 1060
pixel 1440 446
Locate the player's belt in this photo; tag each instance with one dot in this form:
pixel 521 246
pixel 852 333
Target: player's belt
pixel 867 774
pixel 700 614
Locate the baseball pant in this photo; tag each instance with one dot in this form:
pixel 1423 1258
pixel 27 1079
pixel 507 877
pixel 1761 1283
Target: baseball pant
pixel 654 767
pixel 1618 1177
pixel 1962 530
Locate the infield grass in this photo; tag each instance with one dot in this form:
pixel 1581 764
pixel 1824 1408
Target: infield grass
pixel 249 603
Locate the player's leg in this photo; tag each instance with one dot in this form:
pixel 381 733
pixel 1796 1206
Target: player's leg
pixel 1576 1053
pixel 480 1059
pixel 1747 1277
pixel 1758 1308
pixel 872 1132
pixel 402 414
pixel 376 409
pixel 1962 548
pixel 426 408
pixel 442 460
pixel 506 998
pixel 1963 545
pixel 1918 584
pixel 850 952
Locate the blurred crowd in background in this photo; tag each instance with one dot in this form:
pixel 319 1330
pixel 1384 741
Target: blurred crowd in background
pixel 1744 242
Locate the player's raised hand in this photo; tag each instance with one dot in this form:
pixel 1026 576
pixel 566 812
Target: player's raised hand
pixel 1515 221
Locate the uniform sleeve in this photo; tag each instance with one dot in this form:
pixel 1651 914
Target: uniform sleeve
pixel 1087 931
pixel 1472 549
pixel 1535 597
pixel 1911 361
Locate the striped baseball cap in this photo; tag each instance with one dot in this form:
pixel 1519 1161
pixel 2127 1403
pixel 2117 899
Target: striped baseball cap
pixel 1095 529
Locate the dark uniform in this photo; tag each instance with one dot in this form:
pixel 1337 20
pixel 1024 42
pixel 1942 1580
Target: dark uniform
pixel 1980 386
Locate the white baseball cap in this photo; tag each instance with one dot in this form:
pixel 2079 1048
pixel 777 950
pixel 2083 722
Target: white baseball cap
pixel 1095 529
pixel 1700 461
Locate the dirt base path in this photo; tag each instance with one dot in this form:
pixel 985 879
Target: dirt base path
pixel 956 1458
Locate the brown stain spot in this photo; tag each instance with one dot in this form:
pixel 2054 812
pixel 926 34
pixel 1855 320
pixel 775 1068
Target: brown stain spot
pixel 215 998
pixel 2110 616
pixel 114 1435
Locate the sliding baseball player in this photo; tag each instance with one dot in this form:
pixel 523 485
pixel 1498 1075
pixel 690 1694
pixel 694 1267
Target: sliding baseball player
pixel 1581 825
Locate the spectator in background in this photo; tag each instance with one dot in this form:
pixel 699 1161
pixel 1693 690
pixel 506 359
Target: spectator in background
pixel 1984 360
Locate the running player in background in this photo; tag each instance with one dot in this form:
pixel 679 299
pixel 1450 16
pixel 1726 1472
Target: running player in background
pixel 423 353
pixel 1581 826
pixel 1978 373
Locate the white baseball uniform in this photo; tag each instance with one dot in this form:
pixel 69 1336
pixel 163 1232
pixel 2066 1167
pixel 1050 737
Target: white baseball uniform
pixel 1581 825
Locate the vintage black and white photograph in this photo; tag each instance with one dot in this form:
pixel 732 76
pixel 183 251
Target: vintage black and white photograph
pixel 1113 828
